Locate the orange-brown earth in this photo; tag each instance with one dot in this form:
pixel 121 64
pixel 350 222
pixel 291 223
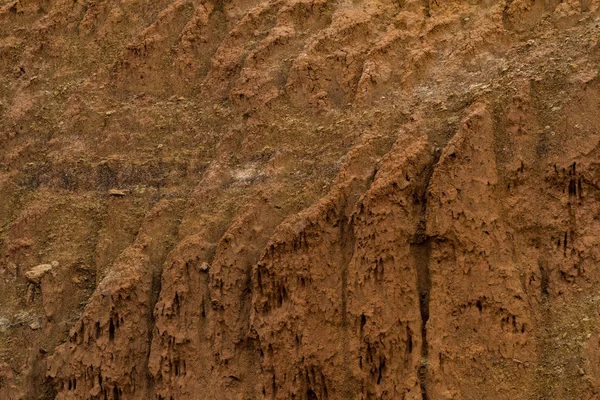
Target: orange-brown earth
pixel 299 199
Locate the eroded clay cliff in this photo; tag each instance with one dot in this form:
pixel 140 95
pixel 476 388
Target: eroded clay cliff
pixel 299 199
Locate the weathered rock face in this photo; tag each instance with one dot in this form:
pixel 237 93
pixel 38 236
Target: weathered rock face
pixel 299 200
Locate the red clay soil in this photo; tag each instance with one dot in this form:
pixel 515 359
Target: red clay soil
pixel 299 199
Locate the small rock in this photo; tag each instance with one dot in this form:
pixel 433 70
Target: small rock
pixel 109 113
pixel 35 274
pixel 35 326
pixel 117 193
pixel 75 279
pixel 204 266
pixel 451 150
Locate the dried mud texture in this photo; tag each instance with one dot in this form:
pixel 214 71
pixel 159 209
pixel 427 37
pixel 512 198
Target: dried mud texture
pixel 297 199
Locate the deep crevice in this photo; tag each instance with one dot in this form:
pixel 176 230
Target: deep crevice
pixel 347 250
pixel 420 249
pixel 421 254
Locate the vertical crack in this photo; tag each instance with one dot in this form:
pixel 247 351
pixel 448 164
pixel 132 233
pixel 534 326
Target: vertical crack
pixel 545 279
pixel 420 249
pixel 347 250
pixel 421 252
